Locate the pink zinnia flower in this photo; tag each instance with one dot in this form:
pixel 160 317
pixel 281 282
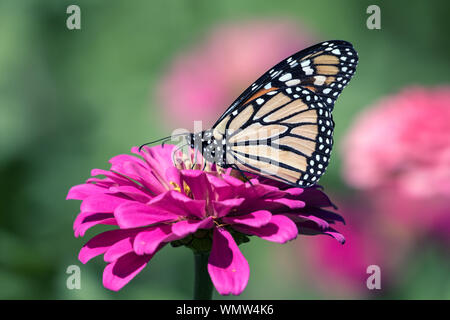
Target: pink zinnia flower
pixel 203 81
pixel 152 203
pixel 403 140
pixel 398 152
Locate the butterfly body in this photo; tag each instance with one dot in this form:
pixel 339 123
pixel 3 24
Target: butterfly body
pixel 281 127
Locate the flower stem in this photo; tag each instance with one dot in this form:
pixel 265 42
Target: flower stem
pixel 203 288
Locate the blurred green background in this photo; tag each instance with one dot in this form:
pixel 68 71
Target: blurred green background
pixel 70 100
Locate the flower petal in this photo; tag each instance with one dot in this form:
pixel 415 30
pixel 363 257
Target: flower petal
pixel 185 227
pixel 118 161
pixel 115 177
pixel 290 203
pixel 136 214
pixel 222 208
pixel 294 191
pixel 298 218
pixel 102 203
pixel 118 273
pixel 308 228
pixel 86 220
pixel 145 176
pixel 132 192
pixel 82 191
pixel 119 249
pixel 255 219
pixel 175 202
pixel 280 229
pixel 147 242
pixel 327 215
pixel 315 197
pixel 220 188
pixel 197 182
pixel 227 267
pixel 102 242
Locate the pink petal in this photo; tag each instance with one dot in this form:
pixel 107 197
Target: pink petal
pixel 159 158
pixel 125 164
pixel 173 175
pixel 255 219
pixel 147 242
pixel 82 191
pixel 222 208
pixel 296 217
pixel 102 242
pixel 104 183
pixel 119 249
pixel 135 214
pixel 185 227
pixel 145 176
pixel 263 191
pixel 131 192
pixel 309 229
pixel 118 161
pixel 235 182
pixel 227 267
pixel 315 197
pixel 294 191
pixel 87 220
pixel 177 203
pixel 197 182
pixel 102 203
pixel 118 273
pixel 290 203
pixel 280 229
pixel 117 178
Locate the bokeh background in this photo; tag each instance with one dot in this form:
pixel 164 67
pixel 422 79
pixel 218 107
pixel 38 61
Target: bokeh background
pixel 72 99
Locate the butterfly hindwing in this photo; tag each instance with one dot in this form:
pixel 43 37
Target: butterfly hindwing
pixel 284 134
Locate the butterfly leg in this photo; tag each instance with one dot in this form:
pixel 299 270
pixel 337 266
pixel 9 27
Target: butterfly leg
pixel 195 158
pixel 242 174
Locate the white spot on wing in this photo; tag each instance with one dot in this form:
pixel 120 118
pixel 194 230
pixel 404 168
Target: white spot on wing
pixel 285 77
pixel 308 71
pixel 292 82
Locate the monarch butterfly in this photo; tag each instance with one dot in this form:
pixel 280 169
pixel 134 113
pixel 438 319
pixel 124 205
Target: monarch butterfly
pixel 281 127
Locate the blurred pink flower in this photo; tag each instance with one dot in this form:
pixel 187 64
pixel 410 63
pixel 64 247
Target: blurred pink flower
pixel 399 152
pixel 341 271
pixel 403 140
pixel 153 203
pixel 201 83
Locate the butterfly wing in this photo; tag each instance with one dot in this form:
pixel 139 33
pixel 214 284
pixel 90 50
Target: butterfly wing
pixel 324 68
pixel 286 136
pixel 281 126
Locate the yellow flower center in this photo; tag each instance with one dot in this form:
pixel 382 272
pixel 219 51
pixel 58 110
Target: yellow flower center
pixel 186 188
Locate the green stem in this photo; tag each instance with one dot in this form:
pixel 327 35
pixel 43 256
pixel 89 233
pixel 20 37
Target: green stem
pixel 203 287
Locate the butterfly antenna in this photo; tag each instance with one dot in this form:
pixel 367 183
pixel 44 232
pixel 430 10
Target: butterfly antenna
pixel 164 140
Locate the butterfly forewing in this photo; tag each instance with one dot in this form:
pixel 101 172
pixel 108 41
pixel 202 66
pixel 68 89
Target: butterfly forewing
pixel 325 68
